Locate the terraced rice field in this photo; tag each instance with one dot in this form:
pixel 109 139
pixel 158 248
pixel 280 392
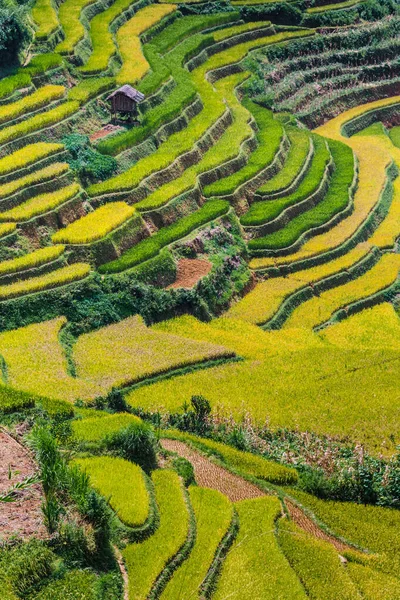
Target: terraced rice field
pixel 234 435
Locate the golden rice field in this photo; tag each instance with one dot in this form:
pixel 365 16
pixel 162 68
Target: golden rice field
pixel 199 300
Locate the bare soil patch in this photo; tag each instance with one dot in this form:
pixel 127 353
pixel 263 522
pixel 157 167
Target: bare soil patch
pixel 106 130
pixel 213 476
pixel 23 517
pixel 190 271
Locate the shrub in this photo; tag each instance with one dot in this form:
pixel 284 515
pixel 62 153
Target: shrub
pixel 281 13
pixel 27 565
pixel 87 162
pixel 135 442
pixel 184 468
pixel 15 33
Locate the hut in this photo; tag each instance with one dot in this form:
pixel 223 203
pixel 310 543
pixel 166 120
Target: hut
pixel 124 101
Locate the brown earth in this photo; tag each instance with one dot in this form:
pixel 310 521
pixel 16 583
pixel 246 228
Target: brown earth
pixel 213 476
pixel 190 271
pixel 23 517
pixel 107 129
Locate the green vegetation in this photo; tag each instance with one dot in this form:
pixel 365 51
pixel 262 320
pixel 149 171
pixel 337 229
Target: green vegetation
pixel 33 259
pixel 147 560
pixel 213 513
pixel 122 483
pixel 336 199
pixel 12 400
pixel 255 566
pixel 41 204
pixel 45 18
pixel 262 212
pixel 96 428
pixel 313 560
pixel 394 134
pixel 244 462
pixel 151 246
pixel 269 138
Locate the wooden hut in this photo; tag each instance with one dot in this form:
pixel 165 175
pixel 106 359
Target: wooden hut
pixel 124 101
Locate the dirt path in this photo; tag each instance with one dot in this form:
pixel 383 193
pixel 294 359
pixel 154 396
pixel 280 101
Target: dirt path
pixel 308 525
pixel 190 271
pixel 210 475
pixel 24 517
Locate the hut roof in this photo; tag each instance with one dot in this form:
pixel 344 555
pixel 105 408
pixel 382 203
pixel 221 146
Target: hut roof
pixel 130 92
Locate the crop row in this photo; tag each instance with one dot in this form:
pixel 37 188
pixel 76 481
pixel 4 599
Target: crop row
pixel 69 13
pixel 43 282
pixel 41 204
pixel 134 63
pixel 23 77
pixel 317 310
pixel 224 149
pixel 26 156
pixel 41 97
pixel 49 173
pixel 45 18
pixel 33 259
pixel 269 137
pixel 95 225
pixel 266 211
pixel 167 235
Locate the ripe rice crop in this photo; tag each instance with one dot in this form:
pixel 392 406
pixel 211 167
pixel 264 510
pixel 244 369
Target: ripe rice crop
pixel 68 14
pixel 265 299
pixel 374 528
pixel 334 6
pixel 122 483
pixel 43 282
pixel 45 18
pixel 213 513
pixel 40 204
pixel 145 561
pixel 10 84
pixel 13 401
pixel 130 351
pixel 263 212
pixel 320 308
pixel 39 98
pixel 151 246
pixel 255 566
pixel 376 327
pixel 46 174
pixel 95 225
pixel 246 462
pixel 102 39
pixel 27 155
pixel 36 362
pixel 38 122
pixel 373 584
pixel 90 88
pixel 94 429
pixel 33 259
pixel 7 228
pixel 134 64
pixel 312 559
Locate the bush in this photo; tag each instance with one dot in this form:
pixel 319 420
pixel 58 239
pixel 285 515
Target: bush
pixel 26 565
pixel 86 162
pixel 136 443
pixel 14 31
pixel 184 468
pixel 279 13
